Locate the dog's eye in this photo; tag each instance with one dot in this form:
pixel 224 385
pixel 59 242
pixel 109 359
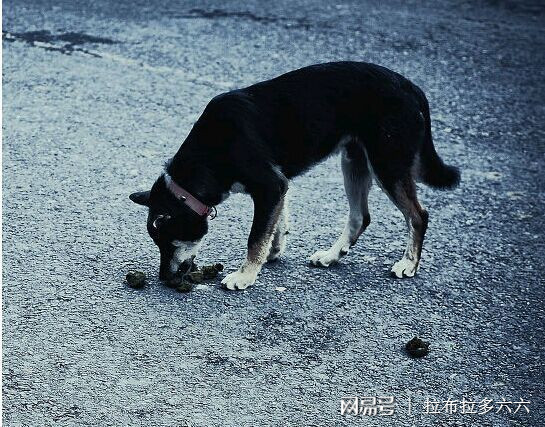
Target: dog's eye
pixel 160 220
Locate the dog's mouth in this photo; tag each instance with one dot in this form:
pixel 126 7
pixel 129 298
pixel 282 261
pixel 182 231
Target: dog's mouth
pixel 186 267
pixel 165 272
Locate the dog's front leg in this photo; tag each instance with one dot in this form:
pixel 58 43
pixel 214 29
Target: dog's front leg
pixel 268 204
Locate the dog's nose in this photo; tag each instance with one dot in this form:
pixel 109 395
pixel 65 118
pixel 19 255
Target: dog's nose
pixel 166 274
pixel 185 266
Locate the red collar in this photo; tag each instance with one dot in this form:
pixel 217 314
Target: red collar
pixel 185 196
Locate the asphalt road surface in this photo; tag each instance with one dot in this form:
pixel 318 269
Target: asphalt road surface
pixel 97 96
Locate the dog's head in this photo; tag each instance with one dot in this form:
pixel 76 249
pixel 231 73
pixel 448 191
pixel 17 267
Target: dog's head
pixel 174 227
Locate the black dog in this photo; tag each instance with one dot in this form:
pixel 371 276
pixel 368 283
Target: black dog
pixel 261 136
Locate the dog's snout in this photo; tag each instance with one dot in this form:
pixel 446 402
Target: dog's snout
pixel 170 266
pixel 185 266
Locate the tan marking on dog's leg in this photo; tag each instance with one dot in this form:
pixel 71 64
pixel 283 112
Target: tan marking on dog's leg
pixel 417 221
pixel 278 245
pixel 357 183
pixel 257 255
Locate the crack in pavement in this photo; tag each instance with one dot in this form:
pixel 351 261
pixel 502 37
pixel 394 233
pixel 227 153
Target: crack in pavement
pixel 222 13
pixel 44 40
pixel 71 38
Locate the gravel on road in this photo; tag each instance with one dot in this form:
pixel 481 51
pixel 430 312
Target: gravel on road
pixel 98 95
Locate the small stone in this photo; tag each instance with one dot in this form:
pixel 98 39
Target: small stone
pixel 417 347
pixel 136 279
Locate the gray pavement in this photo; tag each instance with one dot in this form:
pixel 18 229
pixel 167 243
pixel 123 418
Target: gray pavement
pixel 88 121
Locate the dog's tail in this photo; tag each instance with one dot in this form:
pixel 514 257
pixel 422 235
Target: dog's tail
pixel 434 172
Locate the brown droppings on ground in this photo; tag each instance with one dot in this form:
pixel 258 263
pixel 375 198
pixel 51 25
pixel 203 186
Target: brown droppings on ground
pixel 185 286
pixel 417 347
pixel 210 272
pixel 196 275
pixel 136 279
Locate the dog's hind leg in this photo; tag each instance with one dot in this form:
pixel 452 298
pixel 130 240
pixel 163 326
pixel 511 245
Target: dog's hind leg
pixel 357 183
pixel 394 159
pixel 403 194
pixel 278 244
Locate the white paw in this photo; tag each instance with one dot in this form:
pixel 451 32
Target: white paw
pixel 404 268
pixel 327 258
pixel 239 279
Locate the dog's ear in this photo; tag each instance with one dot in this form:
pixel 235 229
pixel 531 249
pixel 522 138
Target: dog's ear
pixel 140 197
